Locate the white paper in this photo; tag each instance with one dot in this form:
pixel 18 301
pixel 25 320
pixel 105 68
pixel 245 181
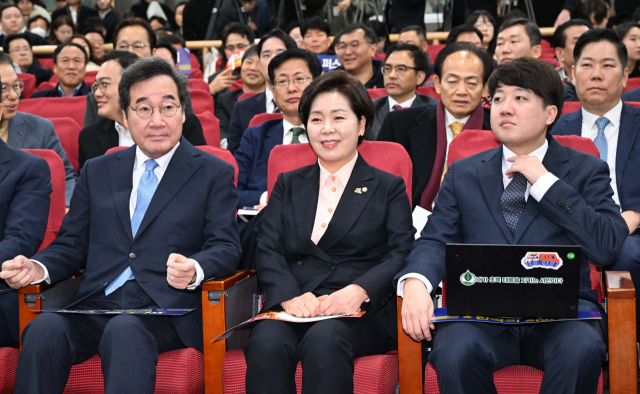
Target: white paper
pixel 420 217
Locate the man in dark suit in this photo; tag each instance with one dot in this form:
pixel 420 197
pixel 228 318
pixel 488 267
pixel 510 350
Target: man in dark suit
pixel 70 66
pixel 291 72
pixel 78 12
pixel 552 196
pixel 13 23
pixel 18 46
pixel 108 132
pixel 600 74
pixel 631 95
pixel 269 46
pixel 356 46
pixel 404 69
pixel 24 210
pixel 462 71
pixel 148 225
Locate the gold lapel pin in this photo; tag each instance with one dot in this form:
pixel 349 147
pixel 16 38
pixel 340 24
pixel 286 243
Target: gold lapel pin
pixel 358 191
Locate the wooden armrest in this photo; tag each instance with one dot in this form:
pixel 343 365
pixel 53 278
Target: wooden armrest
pixel 42 287
pixel 409 359
pixel 226 282
pixel 621 311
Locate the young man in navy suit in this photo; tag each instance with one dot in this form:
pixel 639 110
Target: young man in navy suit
pixel 600 75
pixel 529 191
pixel 291 72
pixel 148 225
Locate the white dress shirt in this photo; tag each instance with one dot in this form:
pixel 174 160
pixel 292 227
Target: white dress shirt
pixel 537 191
pixel 271 105
pixel 74 15
pixel 139 168
pixel 124 136
pixel 611 132
pixel 448 119
pixel 406 104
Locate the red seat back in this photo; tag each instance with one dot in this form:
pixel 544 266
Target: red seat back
pixel 202 101
pixel 195 83
pixel 377 92
pixel 45 86
pixel 56 107
pixel 428 91
pixel 433 51
pixel 210 128
pixel 89 78
pixel 246 95
pixel 261 118
pixel 68 132
pixel 56 208
pixel 571 106
pixel 29 84
pixel 237 85
pixel 632 83
pixel 386 156
pixel 47 63
pixel 196 69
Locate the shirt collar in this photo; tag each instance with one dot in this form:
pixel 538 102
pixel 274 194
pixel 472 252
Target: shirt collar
pixel 269 95
pixel 343 174
pixel 613 115
pixel 406 104
pixel 73 92
pixel 121 128
pixel 507 153
pixel 449 118
pixel 287 126
pixel 163 161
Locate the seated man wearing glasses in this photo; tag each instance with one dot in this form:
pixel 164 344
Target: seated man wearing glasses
pixel 25 131
pixel 148 225
pixel 18 47
pixel 70 65
pixel 404 69
pixel 356 46
pixel 109 131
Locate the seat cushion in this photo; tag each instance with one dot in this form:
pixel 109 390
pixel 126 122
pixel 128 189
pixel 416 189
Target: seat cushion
pixel 8 365
pixel 373 374
pixel 516 379
pixel 178 371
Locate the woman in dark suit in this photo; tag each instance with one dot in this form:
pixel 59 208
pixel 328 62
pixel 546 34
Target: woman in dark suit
pixel 334 235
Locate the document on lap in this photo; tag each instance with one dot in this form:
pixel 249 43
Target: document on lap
pixel 147 311
pixel 440 316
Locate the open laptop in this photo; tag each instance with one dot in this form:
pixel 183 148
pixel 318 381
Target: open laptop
pixel 513 280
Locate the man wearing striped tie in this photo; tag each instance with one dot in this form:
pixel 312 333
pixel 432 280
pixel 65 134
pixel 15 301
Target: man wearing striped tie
pixel 600 74
pixel 147 224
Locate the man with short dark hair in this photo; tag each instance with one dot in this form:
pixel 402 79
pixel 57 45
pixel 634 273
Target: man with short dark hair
pixel 518 38
pixel 70 62
pixel 161 216
pixel 134 35
pixel 78 12
pixel 12 22
pixel 565 38
pixel 414 35
pixel 529 191
pixel 316 35
pixel 404 69
pixel 19 48
pixel 595 11
pixel 357 44
pixel 465 33
pixel 235 36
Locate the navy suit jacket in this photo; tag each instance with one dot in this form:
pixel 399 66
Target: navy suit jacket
pixel 84 90
pixel 631 95
pixel 467 209
pixel 192 213
pixel 627 152
pixel 253 158
pixel 25 187
pixel 241 115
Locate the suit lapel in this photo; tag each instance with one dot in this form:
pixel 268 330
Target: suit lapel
pixel 573 124
pixel 422 137
pixel 122 184
pixel 16 134
pixel 629 130
pixel 108 138
pixel 490 177
pixel 5 168
pixel 275 136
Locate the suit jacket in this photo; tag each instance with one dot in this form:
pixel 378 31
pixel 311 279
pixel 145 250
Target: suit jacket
pixel 365 243
pixel 422 132
pixel 631 95
pixel 96 139
pixel 381 109
pixel 253 158
pixel 41 74
pixel 570 93
pixel 577 210
pixel 28 131
pixel 241 115
pixel 627 152
pixel 192 213
pixel 25 189
pixel 110 20
pixel 84 13
pixel 224 109
pixel 84 90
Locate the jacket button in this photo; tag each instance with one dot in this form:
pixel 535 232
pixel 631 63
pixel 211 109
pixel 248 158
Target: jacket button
pixel 132 256
pixel 332 266
pixel 569 210
pixel 562 204
pixel 300 263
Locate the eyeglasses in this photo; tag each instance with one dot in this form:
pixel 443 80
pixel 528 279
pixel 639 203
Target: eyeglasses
pixel 283 83
pixel 20 49
pixel 401 69
pixel 17 87
pixel 353 45
pixel 137 46
pixel 233 48
pixel 144 111
pixel 102 86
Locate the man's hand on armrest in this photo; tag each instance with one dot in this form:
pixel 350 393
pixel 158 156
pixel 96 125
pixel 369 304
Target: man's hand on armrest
pixel 417 310
pixel 21 272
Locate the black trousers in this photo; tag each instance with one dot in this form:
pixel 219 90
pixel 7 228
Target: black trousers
pixel 570 353
pixel 9 319
pixel 327 350
pixel 128 345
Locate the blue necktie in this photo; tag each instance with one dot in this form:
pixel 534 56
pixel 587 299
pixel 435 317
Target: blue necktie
pixel 513 201
pixel 601 139
pixel 146 188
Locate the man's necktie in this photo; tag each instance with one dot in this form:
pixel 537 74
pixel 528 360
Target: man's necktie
pixel 601 139
pixel 276 110
pixel 513 202
pixel 456 128
pixel 146 188
pixel 296 134
pixel 397 107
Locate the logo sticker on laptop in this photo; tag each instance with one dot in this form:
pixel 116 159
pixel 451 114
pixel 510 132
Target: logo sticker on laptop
pixel 548 260
pixel 468 279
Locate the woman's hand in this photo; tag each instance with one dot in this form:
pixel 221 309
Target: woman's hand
pixel 304 306
pixel 347 300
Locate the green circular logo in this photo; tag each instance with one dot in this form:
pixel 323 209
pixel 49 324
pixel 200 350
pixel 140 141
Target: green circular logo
pixel 571 256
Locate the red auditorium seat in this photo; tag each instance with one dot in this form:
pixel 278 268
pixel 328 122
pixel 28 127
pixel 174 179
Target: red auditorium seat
pixel 45 86
pixel 196 69
pixel 433 51
pixel 210 128
pixel 202 101
pixel 47 63
pixel 246 95
pixel 632 83
pixel 237 85
pixel 428 91
pixel 198 84
pixel 380 56
pixel 261 118
pixel 570 106
pixel 29 84
pixel 56 107
pixel 377 92
pixel 89 78
pixel 68 131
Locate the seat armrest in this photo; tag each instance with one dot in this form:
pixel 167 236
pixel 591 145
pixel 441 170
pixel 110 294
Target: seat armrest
pixel 409 359
pixel 621 312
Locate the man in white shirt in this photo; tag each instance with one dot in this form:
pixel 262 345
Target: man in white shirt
pixel 529 191
pixel 148 225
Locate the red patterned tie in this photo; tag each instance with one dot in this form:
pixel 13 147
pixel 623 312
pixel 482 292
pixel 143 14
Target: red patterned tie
pixel 397 107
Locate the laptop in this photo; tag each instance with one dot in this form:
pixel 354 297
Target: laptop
pixel 519 281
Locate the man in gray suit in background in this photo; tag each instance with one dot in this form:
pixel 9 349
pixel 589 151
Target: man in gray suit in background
pixel 24 131
pixel 404 69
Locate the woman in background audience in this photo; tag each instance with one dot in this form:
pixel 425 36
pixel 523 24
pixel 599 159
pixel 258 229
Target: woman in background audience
pixel 484 21
pixel 84 42
pixel 383 35
pixel 630 34
pixel 39 25
pixel 178 16
pixel 293 30
pixel 61 30
pixel 30 10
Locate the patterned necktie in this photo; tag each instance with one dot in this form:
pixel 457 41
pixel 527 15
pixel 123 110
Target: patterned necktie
pixel 456 128
pixel 296 134
pixel 397 107
pixel 601 139
pixel 146 188
pixel 513 201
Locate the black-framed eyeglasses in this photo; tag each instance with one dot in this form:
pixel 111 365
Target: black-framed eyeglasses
pixel 353 45
pixel 283 83
pixel 17 87
pixel 102 86
pixel 144 111
pixel 137 46
pixel 401 69
pixel 232 48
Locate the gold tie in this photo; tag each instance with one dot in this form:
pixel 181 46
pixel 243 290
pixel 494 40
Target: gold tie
pixel 456 128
